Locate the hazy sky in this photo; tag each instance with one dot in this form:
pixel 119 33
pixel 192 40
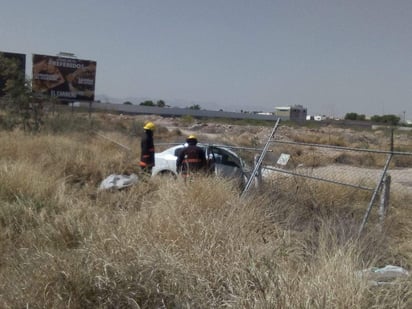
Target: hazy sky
pixel 330 56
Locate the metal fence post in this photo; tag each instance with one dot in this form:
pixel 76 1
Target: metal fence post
pixel 375 193
pixel 259 162
pixel 385 194
pixel 258 172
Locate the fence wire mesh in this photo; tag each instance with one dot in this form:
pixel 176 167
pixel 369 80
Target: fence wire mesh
pixel 334 175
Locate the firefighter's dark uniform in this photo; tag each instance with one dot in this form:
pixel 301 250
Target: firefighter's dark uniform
pixel 147 157
pixel 192 159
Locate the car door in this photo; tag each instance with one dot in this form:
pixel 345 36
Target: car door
pixel 225 163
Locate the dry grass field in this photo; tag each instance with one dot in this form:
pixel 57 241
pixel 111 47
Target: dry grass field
pixel 164 243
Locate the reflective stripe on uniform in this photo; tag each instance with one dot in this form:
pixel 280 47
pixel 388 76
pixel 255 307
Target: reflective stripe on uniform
pixel 192 160
pixel 144 164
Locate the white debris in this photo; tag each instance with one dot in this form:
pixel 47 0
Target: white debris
pixel 383 275
pixel 283 159
pixel 118 181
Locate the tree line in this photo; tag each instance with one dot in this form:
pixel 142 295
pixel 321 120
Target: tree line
pixel 386 119
pixel 161 103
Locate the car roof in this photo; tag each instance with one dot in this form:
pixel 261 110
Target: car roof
pixel 173 148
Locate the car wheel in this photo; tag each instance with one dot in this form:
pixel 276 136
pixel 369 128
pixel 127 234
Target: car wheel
pixel 167 174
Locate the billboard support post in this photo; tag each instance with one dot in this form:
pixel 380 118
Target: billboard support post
pixel 90 110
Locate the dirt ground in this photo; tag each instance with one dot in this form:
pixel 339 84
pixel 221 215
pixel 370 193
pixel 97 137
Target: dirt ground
pixel 352 172
pixel 330 163
pixel 219 132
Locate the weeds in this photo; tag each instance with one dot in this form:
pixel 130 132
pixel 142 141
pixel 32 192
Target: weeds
pixel 164 243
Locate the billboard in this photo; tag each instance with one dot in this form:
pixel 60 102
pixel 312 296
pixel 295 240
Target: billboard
pixel 68 79
pixel 21 65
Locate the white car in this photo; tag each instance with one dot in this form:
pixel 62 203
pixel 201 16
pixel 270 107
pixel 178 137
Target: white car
pixel 222 162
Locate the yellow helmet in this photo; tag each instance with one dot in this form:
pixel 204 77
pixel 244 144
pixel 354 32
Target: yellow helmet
pixel 191 139
pixel 149 126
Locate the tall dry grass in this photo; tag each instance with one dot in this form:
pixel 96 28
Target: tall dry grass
pixel 164 243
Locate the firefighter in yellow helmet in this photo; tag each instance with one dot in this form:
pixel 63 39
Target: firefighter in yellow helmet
pixel 147 156
pixel 192 159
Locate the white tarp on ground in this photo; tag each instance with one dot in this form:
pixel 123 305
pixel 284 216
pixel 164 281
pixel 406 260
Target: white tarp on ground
pixel 118 181
pixel 383 275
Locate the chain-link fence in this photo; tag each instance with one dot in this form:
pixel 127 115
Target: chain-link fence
pixel 368 179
